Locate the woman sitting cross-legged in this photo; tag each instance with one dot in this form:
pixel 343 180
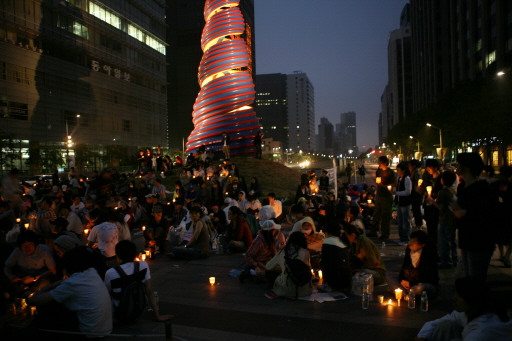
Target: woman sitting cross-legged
pixel 261 251
pixel 296 248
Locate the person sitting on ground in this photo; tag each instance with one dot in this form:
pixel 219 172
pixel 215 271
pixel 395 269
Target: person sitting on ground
pixel 354 219
pixel 126 251
pixel 277 205
pixel 198 246
pixel 157 229
pixel 218 218
pixel 159 190
pixel 261 251
pixel 42 218
pixel 419 269
pixel 266 211
pixel 105 235
pixel 335 263
pixel 140 217
pixel 284 285
pixel 242 201
pixel 30 263
pixel 299 217
pixel 365 256
pixel 477 316
pixel 80 302
pixel 238 237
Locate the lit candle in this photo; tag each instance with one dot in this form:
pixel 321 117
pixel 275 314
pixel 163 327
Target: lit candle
pixel 143 228
pixel 313 272
pixel 381 299
pixel 377 179
pixel 33 311
pixel 389 188
pixel 207 178
pixel 18 220
pixel 390 302
pixel 369 201
pixel 86 231
pixel 34 185
pixel 420 181
pixel 148 253
pixel 168 203
pixel 26 226
pixel 173 200
pixel 320 274
pixel 212 280
pixel 227 193
pixel 429 190
pixel 398 295
pixel 143 257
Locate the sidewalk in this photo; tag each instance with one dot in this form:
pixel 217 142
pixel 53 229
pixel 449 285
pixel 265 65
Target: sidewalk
pixel 241 311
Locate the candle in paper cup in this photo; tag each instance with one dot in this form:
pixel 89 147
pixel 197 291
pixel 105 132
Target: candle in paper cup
pixel 377 179
pixel 369 201
pixel 17 220
pixel 380 298
pixel 389 188
pixel 212 280
pixel 320 275
pixel 420 181
pixel 143 228
pixel 429 190
pixel 398 294
pixel 148 253
pixel 33 311
pixel 86 231
pixel 26 226
pixel 143 257
pixel 390 302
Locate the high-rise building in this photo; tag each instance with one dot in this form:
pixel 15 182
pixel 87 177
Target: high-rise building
pixel 301 112
pixel 271 106
pixel 347 134
pixel 185 22
pixel 398 92
pixel 454 40
pixel 325 137
pixel 93 70
pixel 286 109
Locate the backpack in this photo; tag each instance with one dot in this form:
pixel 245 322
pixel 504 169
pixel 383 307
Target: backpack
pixel 298 271
pixel 132 298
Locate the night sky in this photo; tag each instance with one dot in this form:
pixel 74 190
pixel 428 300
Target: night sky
pixel 340 44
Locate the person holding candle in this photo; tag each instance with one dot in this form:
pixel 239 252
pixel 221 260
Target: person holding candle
pixel 403 200
pixel 198 246
pixel 126 253
pixel 335 262
pixel 365 256
pixel 477 316
pixel 157 230
pixel 430 211
pixel 419 269
pixel 417 198
pixel 383 200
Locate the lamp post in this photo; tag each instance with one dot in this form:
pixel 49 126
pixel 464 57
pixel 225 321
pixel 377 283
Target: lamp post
pixel 440 134
pixel 418 142
pixel 400 148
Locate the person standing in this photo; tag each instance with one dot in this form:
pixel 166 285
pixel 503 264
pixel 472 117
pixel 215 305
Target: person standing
pixel 430 211
pixel 383 200
pixel 362 173
pixel 475 202
pixel 226 141
pixel 403 199
pixel 446 228
pixel 257 145
pixel 416 196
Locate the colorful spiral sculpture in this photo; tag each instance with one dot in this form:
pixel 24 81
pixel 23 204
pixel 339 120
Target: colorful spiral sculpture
pixel 227 89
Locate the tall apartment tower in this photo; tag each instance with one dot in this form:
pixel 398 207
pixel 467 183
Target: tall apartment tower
pixel 454 40
pixel 325 137
pixel 90 69
pixel 286 109
pixel 185 22
pixel 301 112
pixel 347 133
pixel 271 106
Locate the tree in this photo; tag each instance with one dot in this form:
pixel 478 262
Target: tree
pixel 84 155
pixel 10 150
pixel 44 158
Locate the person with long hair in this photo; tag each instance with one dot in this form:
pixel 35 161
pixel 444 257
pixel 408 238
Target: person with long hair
pixel 296 248
pixel 255 188
pixel 477 316
pixel 335 263
pixel 237 237
pixel 403 200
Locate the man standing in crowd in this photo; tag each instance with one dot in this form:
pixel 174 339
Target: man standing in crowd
pixel 226 141
pixel 383 200
pixel 257 145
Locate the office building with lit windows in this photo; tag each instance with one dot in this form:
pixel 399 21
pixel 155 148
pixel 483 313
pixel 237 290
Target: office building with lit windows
pixel 286 109
pixel 90 70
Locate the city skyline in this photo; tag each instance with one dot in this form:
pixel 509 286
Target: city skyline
pixel 343 49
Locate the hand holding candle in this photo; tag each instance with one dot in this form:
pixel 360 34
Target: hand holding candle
pixel 420 181
pixel 378 180
pixel 429 190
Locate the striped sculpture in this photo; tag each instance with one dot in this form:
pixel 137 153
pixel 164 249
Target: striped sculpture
pixel 227 89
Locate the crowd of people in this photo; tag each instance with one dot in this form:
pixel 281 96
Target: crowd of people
pixel 76 230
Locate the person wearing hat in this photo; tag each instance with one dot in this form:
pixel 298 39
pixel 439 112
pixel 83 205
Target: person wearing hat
pixel 262 250
pixel 64 244
pixel 226 141
pixel 190 195
pixel 157 229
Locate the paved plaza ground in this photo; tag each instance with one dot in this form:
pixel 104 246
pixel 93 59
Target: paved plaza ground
pixel 234 311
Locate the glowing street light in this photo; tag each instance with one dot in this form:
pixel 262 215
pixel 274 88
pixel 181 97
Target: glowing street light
pixel 418 141
pixel 440 134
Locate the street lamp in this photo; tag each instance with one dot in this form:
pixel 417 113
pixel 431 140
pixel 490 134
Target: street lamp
pixel 412 138
pixel 399 146
pixel 440 134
